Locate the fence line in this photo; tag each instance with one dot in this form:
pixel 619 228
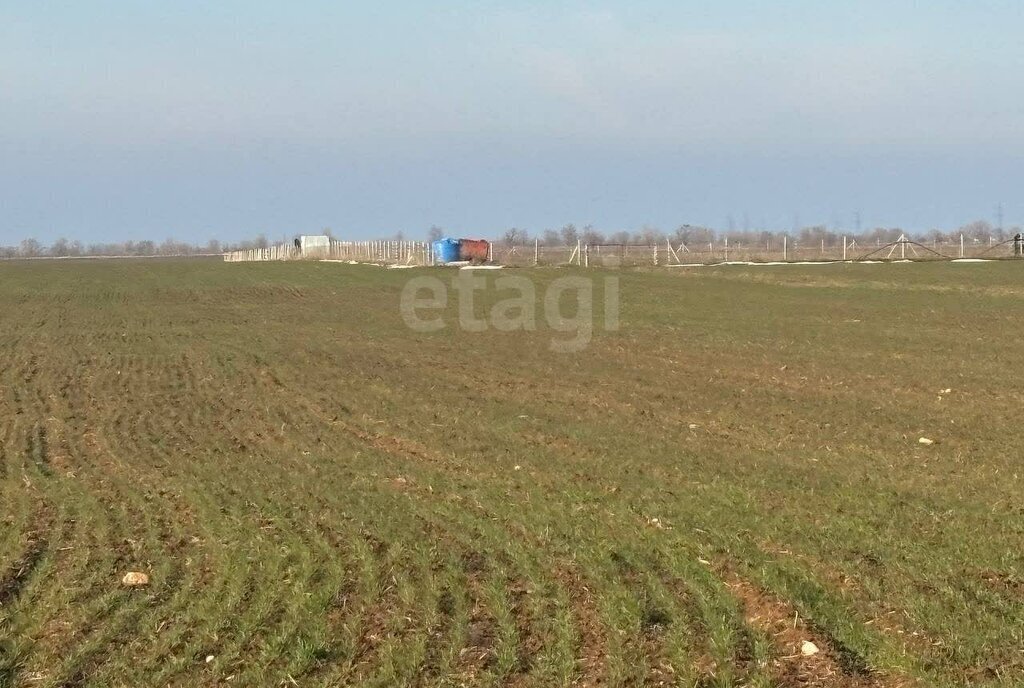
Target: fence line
pixel 400 252
pixel 382 251
pixel 781 249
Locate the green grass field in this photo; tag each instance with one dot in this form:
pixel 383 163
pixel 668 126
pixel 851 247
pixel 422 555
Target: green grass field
pixel 324 497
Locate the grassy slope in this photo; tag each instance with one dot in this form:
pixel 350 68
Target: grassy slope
pixel 322 495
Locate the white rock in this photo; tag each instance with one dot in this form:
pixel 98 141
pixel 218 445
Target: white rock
pixel 134 579
pixel 925 441
pixel 807 648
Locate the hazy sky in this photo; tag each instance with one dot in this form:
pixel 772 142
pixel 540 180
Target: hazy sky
pixel 222 119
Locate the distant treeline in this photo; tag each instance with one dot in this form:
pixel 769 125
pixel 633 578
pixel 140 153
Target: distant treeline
pixel 63 248
pixel 977 232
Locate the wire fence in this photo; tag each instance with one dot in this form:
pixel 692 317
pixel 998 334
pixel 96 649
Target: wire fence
pixel 671 253
pixel 395 252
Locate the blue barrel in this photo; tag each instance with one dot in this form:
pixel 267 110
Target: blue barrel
pixel 446 250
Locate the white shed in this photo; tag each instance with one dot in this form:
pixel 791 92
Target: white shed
pixel 314 243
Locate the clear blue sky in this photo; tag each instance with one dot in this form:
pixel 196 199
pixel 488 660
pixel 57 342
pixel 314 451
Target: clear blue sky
pixel 223 119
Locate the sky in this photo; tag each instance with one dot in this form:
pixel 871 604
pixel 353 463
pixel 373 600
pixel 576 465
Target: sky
pixel 197 120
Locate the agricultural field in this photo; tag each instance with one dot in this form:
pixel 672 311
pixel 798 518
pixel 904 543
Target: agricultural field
pixel 322 496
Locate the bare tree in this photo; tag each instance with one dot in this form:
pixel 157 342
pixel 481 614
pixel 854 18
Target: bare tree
pixel 30 248
pixel 817 235
pixel 434 233
pixel 60 248
pixel 551 238
pixel 650 235
pixel 689 234
pixel 977 231
pixel 881 235
pixel 589 235
pixel 515 237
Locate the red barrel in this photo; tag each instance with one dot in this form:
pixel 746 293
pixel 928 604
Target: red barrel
pixel 475 250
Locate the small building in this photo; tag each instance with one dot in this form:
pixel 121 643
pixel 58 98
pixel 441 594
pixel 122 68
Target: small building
pixel 312 244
